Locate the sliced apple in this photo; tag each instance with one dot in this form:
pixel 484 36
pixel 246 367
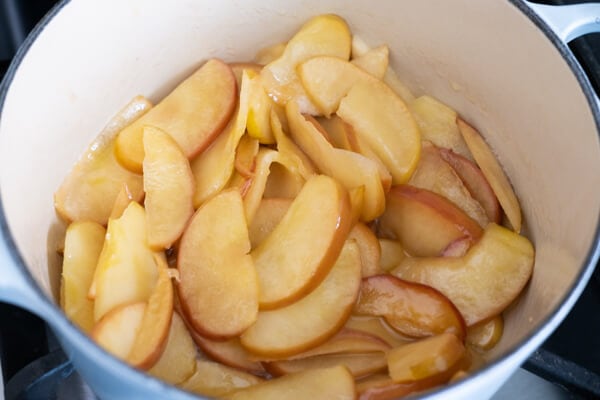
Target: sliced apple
pixel 392 253
pixel 425 358
pixel 322 35
pixel 483 282
pixel 126 270
pixel 435 174
pixel 217 380
pixel 377 327
pixel 211 88
pixel 475 182
pixel 374 61
pixel 245 156
pixel 213 168
pixel 457 248
pixel 83 244
pixel 370 252
pixel 303 247
pixel 492 170
pixel 270 53
pixel 177 362
pixel 316 384
pixel 229 352
pixel 91 188
pixel 218 282
pixel 288 149
pixel 424 222
pixel 313 319
pixel 437 123
pixel 238 69
pixel 169 187
pixel 259 112
pixel 486 334
pixel 268 215
pixel 151 340
pixel 412 309
pixel 283 182
pixel 358 364
pixel 382 119
pixel 117 330
pixel 124 197
pixel 351 169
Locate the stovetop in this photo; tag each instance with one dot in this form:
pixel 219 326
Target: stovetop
pixel 567 366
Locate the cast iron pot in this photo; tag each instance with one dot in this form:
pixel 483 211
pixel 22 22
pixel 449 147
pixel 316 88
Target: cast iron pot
pixel 496 62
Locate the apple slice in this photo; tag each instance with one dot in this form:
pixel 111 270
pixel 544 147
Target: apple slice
pixel 322 35
pixel 374 61
pixel 126 270
pixel 229 352
pixel 217 380
pixel 83 244
pixel 350 169
pixel 424 222
pixel 492 170
pixel 316 384
pixel 177 362
pixel 475 182
pixel 382 119
pixel 213 168
pixel 218 283
pixel 283 182
pixel 486 334
pixel 268 215
pixel 437 123
pixel 238 69
pixel 117 330
pixel 212 88
pixel 270 53
pixel 435 174
pixel 483 282
pixel 124 197
pixel 370 252
pixel 412 309
pixel 392 253
pixel 259 112
pixel 303 247
pixel 457 248
pixel 151 340
pixel 91 188
pixel 313 319
pixel 245 156
pixel 169 187
pixel 358 364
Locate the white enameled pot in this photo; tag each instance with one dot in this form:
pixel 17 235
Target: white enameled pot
pixel 496 62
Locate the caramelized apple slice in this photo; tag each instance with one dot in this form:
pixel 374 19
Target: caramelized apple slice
pixel 358 364
pixel 313 319
pixel 475 182
pixel 483 282
pixel 412 309
pixel 313 230
pixel 392 253
pixel 382 119
pixel 213 168
pixel 177 362
pixel 229 352
pixel 435 174
pixel 217 380
pixel 370 252
pixel 350 169
pixel 117 330
pixel 212 88
pixel 316 384
pixel 374 61
pixel 169 187
pixel 486 334
pixel 283 182
pixel 425 358
pixel 218 283
pixel 321 35
pixel 377 327
pixel 151 340
pixel 268 215
pixel 245 156
pixel 126 270
pixel 259 112
pixel 424 222
pixel 493 172
pixel 92 186
pixel 83 244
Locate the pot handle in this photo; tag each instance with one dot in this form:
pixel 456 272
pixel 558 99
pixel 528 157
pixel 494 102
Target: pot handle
pixel 16 287
pixel 570 21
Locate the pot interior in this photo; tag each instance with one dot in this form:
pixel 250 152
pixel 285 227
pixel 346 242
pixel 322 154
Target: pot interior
pixel 485 59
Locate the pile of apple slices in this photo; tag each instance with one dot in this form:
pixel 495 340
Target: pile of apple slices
pixel 302 226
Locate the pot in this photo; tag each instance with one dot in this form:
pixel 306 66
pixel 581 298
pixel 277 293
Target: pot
pixel 496 62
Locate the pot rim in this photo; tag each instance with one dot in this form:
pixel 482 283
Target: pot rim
pixel 55 316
